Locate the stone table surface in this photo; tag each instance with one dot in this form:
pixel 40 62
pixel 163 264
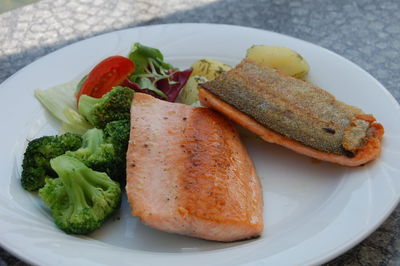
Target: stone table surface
pixel 366 32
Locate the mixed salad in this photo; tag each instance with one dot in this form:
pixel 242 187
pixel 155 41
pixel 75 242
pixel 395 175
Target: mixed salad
pixel 80 174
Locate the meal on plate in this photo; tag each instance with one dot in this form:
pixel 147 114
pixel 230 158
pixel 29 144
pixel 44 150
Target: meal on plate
pixel 139 123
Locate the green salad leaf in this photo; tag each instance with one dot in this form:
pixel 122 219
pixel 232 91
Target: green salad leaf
pixel 60 101
pixel 150 68
pixel 144 56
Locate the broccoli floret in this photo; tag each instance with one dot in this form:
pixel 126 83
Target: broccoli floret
pixel 80 199
pixel 117 133
pixel 98 154
pixel 114 105
pixel 36 162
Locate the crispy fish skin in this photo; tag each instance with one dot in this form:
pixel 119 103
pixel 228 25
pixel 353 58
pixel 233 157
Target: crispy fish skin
pixel 368 152
pixel 292 107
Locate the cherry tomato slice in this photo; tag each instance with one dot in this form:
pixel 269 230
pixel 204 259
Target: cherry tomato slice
pixel 110 72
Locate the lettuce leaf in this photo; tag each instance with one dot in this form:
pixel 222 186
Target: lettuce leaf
pixel 143 57
pixel 172 86
pixel 60 101
pixel 153 75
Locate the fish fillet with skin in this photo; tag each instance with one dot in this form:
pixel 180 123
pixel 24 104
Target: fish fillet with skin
pixel 189 173
pixel 295 114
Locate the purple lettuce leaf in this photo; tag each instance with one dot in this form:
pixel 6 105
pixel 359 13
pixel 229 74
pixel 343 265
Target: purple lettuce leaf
pixel 170 87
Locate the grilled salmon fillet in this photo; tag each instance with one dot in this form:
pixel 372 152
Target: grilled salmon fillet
pixel 189 173
pixel 294 114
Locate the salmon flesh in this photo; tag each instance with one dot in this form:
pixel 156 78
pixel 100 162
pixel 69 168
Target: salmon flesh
pixel 189 173
pixel 293 108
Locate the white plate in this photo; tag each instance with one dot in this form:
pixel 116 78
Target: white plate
pixel 313 211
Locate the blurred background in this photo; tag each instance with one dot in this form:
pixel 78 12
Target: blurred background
pixel 6 5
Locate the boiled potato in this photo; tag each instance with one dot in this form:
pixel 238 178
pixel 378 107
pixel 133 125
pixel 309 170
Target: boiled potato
pixel 189 93
pixel 282 59
pixel 209 68
pixel 203 70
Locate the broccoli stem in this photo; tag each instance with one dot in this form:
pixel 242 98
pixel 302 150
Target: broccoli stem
pixel 72 178
pixel 93 139
pixel 97 182
pixel 80 185
pixel 85 106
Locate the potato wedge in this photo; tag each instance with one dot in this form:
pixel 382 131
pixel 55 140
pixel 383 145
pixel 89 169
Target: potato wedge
pixel 209 68
pixel 280 58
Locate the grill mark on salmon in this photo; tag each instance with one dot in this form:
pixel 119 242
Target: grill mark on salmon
pixel 190 174
pixel 292 108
